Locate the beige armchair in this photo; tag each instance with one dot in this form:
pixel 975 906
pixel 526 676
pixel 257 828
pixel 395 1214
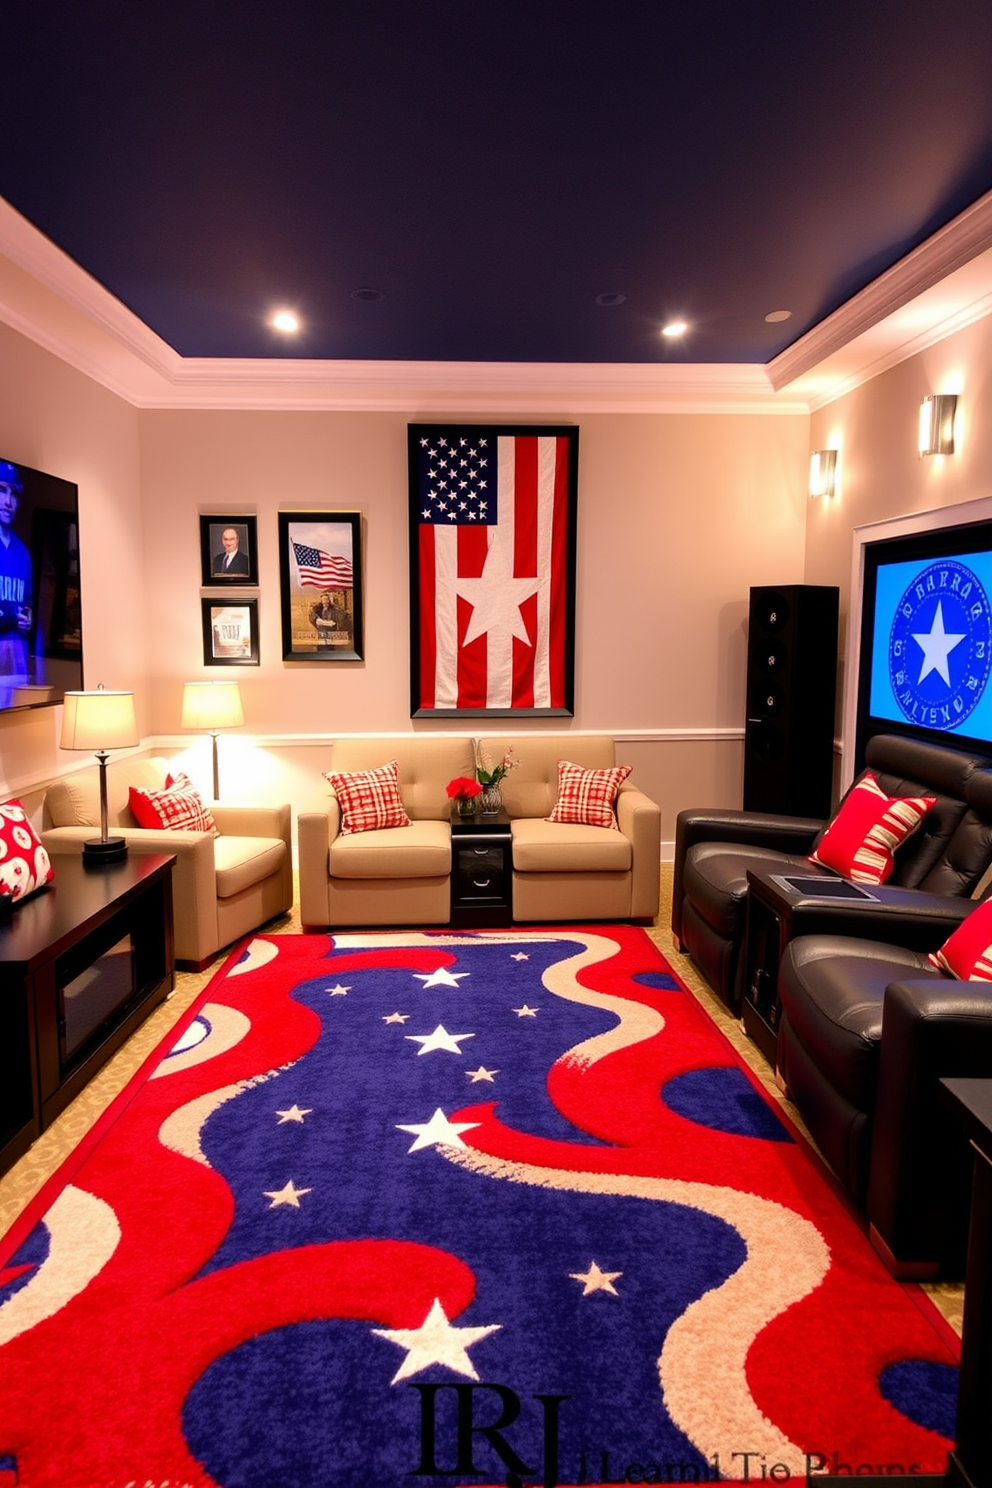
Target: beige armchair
pixel 567 872
pixel 223 887
pixel 397 875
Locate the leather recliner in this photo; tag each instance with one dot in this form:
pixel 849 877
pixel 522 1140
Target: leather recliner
pixel 947 855
pixel 867 1029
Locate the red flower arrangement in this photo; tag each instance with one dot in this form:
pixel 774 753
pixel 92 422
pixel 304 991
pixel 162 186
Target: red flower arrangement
pixel 463 787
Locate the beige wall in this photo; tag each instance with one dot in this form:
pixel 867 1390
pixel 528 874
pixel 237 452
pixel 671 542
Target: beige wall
pixel 60 421
pixel 678 515
pixel 881 474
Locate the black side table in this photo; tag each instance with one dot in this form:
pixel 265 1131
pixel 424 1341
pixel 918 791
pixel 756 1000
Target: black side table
pixel 481 871
pixel 778 908
pixel 971 1461
pixel 782 906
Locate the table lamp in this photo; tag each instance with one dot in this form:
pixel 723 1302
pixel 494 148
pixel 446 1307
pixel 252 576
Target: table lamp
pixel 100 721
pixel 212 706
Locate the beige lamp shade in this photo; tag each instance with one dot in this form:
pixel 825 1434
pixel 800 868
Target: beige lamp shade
pixel 98 721
pixel 212 705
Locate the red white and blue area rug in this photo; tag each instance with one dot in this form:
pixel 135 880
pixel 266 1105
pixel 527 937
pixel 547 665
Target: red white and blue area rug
pixel 411 1208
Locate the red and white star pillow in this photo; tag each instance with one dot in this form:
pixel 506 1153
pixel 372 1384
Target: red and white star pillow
pixel 24 863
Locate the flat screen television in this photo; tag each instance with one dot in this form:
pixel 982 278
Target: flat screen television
pixel 41 626
pixel 926 637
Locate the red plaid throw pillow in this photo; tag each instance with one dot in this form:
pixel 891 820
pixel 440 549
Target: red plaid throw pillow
pixel 24 863
pixel 862 838
pixel 586 797
pixel 368 798
pixel 177 808
pixel 967 951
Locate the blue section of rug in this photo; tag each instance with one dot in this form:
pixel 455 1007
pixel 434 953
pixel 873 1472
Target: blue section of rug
pixel 925 1392
pixel 724 1100
pixel 326 1379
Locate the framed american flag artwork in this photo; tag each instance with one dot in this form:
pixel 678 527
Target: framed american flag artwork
pixel 320 574
pixel 492 570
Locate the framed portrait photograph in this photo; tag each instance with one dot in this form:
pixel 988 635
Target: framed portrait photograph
pixel 492 570
pixel 228 550
pixel 320 572
pixel 230 631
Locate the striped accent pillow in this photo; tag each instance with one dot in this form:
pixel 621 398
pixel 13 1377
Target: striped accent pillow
pixel 369 799
pixel 967 951
pixel 177 808
pixel 869 826
pixel 586 797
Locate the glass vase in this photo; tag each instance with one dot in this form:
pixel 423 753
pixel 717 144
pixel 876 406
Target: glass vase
pixel 491 800
pixel 465 805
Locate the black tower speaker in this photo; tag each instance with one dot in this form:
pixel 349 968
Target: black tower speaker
pixel 791 699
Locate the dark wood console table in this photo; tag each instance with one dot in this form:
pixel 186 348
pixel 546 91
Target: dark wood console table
pixel 82 963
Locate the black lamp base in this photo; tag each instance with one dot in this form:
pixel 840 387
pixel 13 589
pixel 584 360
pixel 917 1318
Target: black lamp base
pixel 97 853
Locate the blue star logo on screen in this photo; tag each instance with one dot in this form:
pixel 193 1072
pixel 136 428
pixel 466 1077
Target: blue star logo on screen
pixel 940 645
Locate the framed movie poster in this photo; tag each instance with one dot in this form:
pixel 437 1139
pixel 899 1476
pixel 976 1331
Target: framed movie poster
pixel 230 632
pixel 228 550
pixel 320 573
pixel 492 570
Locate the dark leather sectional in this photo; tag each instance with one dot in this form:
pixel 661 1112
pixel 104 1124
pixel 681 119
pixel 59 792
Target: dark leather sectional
pixel 867 1026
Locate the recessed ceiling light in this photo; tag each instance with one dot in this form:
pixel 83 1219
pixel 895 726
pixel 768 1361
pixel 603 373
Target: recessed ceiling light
pixel 369 296
pixel 286 321
pixel 610 298
pixel 675 328
pixel 776 315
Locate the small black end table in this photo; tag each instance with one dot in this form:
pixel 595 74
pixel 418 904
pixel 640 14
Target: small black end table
pixel 481 871
pixel 782 906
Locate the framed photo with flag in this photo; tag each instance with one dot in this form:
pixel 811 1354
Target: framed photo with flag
pixel 492 570
pixel 320 572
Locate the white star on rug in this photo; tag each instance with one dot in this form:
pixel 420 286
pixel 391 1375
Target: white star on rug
pixel 396 1018
pixel 441 978
pixel 438 1132
pixel 937 646
pixel 525 1011
pixel 439 1039
pixel 595 1280
pixel 481 1074
pixel 288 1195
pixel 294 1114
pixel 435 1342
pixel 338 991
pixel 520 956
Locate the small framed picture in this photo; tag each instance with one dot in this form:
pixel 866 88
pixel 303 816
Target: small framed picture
pixel 320 572
pixel 228 550
pixel 230 632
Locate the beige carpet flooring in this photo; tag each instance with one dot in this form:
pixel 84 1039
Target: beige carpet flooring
pixel 26 1177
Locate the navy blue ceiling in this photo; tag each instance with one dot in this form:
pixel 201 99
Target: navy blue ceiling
pixel 484 172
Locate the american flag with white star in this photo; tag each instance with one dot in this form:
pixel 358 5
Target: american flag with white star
pixel 492 510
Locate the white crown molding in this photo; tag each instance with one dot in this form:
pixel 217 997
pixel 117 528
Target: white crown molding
pixel 940 287
pixel 952 261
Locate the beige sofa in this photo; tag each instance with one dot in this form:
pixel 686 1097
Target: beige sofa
pixel 223 887
pixel 401 875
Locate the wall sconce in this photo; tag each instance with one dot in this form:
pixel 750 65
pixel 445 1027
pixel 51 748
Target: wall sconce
pixel 100 721
pixel 211 706
pixel 823 473
pixel 937 424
